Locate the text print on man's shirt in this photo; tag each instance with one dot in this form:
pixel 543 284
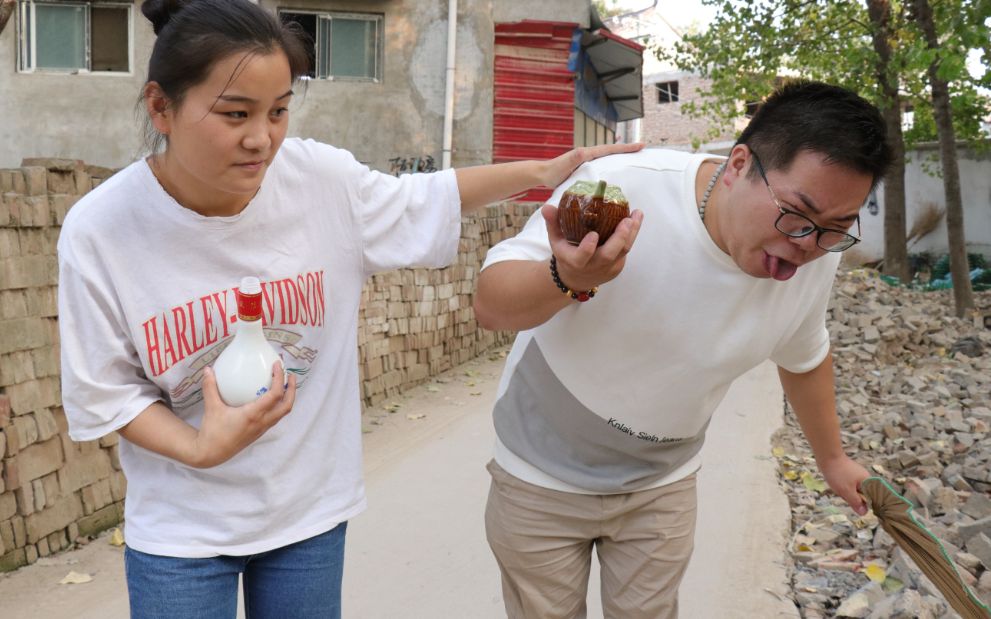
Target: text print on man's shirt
pixel 644 436
pixel 205 324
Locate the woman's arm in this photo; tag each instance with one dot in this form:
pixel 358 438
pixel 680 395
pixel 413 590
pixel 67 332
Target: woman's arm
pixel 225 430
pixel 483 185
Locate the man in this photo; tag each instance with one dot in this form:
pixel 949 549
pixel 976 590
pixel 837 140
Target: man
pixel 604 403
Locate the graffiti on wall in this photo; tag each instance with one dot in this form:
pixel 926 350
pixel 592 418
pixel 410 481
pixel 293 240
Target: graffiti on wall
pixel 411 165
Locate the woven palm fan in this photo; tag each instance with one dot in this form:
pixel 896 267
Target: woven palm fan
pixel 896 514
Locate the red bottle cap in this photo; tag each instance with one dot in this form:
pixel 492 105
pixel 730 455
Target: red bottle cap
pixel 249 299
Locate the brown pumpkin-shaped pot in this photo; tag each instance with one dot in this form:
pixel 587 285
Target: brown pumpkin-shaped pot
pixel 588 206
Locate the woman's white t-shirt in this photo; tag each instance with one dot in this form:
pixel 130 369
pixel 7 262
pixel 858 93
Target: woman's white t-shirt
pixel 146 302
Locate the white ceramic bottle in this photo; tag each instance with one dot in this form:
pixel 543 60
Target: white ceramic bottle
pixel 244 368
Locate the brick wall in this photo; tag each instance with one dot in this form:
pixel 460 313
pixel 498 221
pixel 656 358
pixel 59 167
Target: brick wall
pixel 413 324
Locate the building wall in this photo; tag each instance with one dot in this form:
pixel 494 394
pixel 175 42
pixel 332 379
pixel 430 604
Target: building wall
pixel 923 192
pixel 403 116
pixel 90 117
pixel 578 12
pixel 94 117
pixel 413 324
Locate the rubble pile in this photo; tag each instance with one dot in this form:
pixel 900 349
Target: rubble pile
pixel 914 399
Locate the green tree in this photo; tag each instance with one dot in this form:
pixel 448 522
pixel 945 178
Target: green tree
pixel 872 47
pixel 884 39
pixel 946 64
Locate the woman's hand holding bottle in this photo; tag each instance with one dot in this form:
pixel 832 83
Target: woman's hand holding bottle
pixel 226 430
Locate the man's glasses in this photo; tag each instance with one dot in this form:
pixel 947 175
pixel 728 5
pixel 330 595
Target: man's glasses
pixel 796 225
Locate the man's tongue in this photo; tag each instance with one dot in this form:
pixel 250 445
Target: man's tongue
pixel 779 269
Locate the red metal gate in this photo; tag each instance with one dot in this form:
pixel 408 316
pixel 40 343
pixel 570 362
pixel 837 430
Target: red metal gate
pixel 534 104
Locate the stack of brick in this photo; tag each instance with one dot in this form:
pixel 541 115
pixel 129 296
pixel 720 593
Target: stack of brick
pixel 52 490
pixel 414 323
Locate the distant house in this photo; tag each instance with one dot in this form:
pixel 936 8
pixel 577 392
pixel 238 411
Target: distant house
pixel 666 89
pixel 71 74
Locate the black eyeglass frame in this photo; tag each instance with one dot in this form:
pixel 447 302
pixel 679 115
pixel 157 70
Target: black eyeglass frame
pixel 849 239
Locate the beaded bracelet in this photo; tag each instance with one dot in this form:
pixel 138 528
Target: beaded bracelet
pixel 578 295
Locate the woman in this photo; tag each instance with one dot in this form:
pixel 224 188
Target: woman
pixel 148 263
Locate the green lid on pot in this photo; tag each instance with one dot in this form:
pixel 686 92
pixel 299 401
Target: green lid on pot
pixel 588 188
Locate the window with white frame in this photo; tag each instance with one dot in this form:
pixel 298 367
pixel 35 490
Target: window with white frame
pixel 74 36
pixel 346 46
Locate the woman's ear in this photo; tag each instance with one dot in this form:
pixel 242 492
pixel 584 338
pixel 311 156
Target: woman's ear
pixel 158 107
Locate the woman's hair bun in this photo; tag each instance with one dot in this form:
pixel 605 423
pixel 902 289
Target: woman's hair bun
pixel 159 12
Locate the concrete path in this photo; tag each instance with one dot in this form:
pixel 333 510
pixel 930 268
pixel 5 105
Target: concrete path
pixel 738 569
pixel 420 551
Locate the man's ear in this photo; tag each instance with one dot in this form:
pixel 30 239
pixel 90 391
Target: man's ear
pixel 159 107
pixel 737 164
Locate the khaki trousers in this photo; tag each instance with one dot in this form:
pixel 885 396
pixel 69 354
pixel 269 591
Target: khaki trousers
pixel 543 539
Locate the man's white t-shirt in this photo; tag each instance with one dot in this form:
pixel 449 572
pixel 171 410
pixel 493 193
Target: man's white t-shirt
pixel 614 394
pixel 146 302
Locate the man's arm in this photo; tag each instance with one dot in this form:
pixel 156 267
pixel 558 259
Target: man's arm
pixel 813 397
pixel 521 294
pixel 517 295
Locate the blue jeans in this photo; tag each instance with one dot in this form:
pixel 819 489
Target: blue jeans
pixel 299 580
